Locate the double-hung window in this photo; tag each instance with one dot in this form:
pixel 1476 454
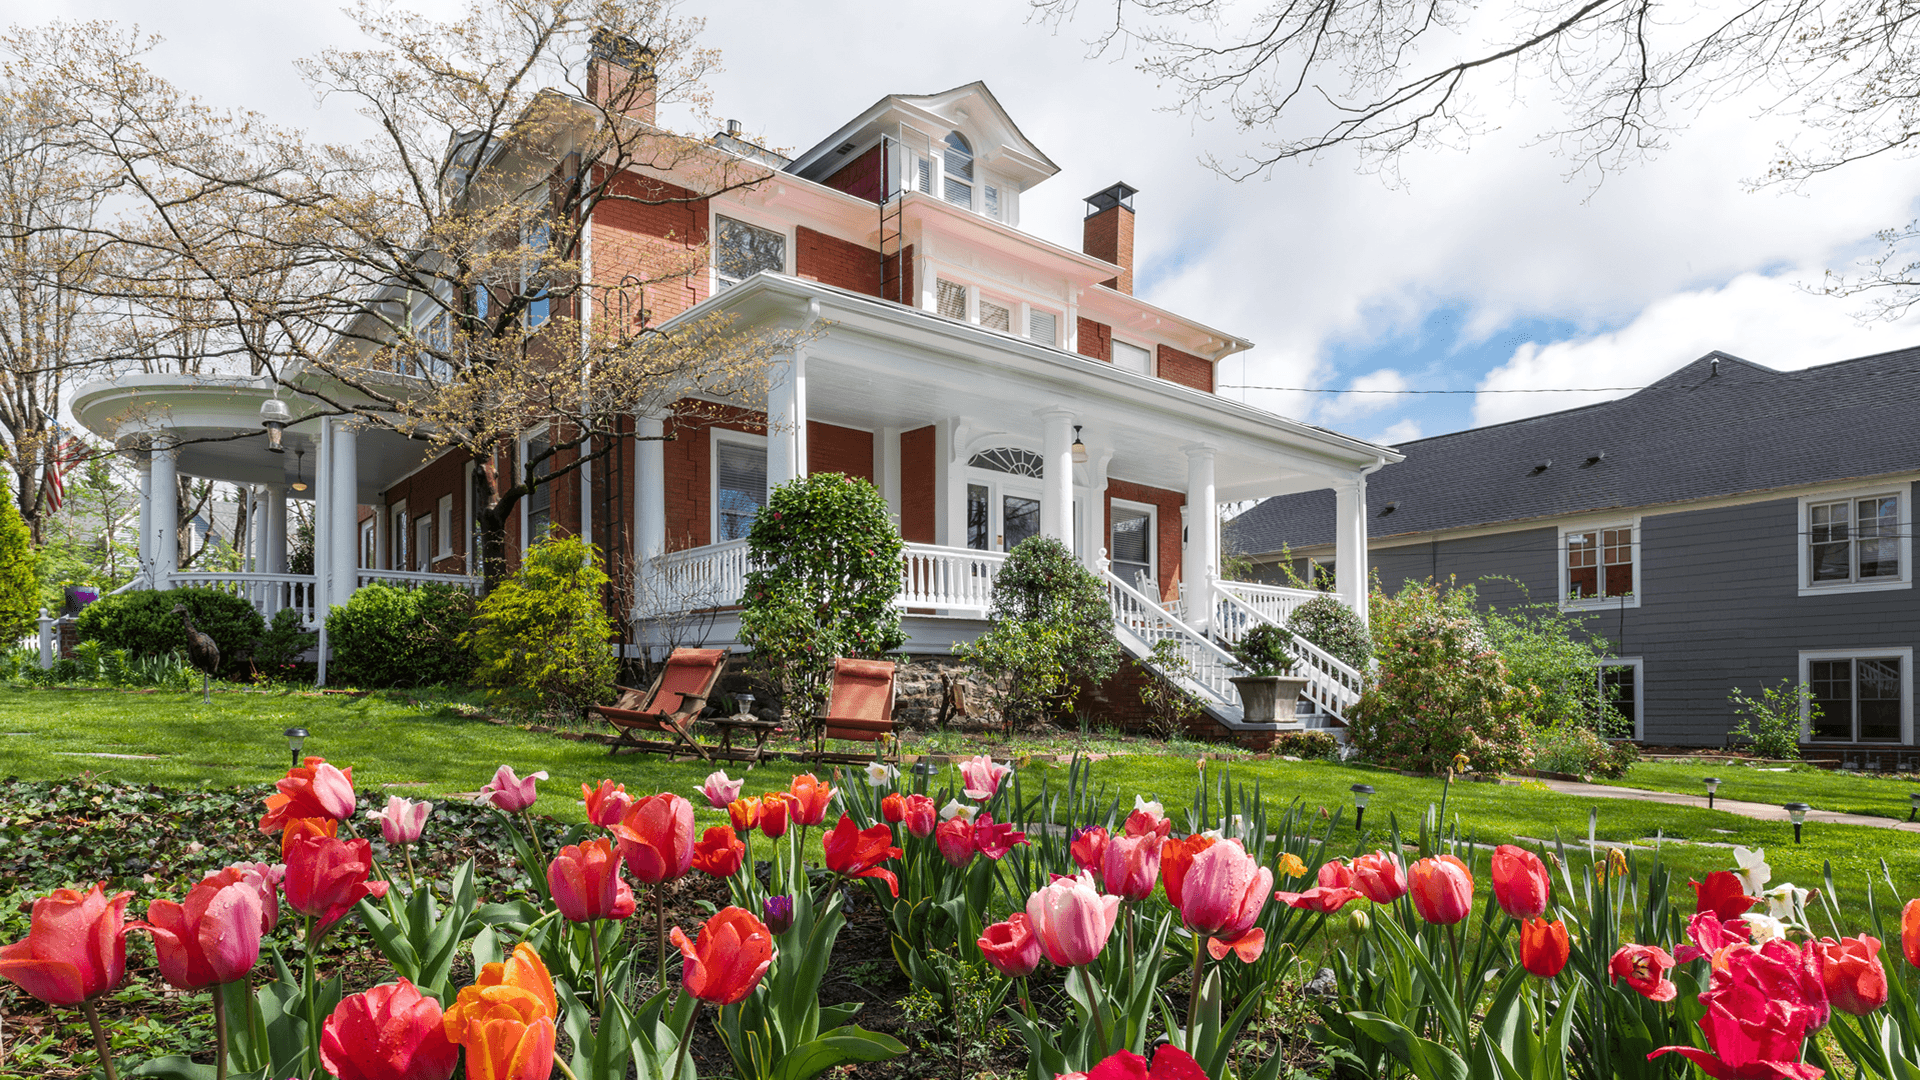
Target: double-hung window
pixel 445 527
pixel 1600 565
pixel 1620 698
pixel 950 299
pixel 1130 546
pixel 741 250
pixel 1859 697
pixel 740 486
pixel 1130 357
pixel 1854 541
pixel 996 316
pixel 958 181
pixel 540 499
pixel 539 304
pixel 423 541
pixel 1043 326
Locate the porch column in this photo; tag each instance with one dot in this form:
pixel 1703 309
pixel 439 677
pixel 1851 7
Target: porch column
pixel 1097 554
pixel 381 559
pixel 787 420
pixel 163 498
pixel 273 516
pixel 344 488
pixel 650 502
pixel 1350 544
pixel 1056 480
pixel 322 544
pixel 143 461
pixel 1197 556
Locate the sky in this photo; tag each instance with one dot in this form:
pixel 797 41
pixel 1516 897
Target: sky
pixel 1476 269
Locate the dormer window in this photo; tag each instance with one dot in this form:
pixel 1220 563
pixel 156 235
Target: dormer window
pixel 959 171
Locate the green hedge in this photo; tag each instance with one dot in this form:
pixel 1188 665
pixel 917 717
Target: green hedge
pixel 144 624
pixel 385 636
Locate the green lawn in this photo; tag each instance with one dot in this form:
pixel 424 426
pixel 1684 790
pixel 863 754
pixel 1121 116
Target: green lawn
pixel 1844 792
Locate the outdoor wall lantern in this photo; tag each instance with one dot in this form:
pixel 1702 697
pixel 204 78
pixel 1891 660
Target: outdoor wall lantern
pixel 1079 448
pixel 1798 812
pixel 1361 793
pixel 296 736
pixel 1713 785
pixel 274 416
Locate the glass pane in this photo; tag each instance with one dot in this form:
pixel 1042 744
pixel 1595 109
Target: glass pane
pixel 995 317
pixel 1019 519
pixel 950 299
pixel 1583 583
pixel 1130 542
pixel 741 250
pixel 740 487
pixel 991 201
pixel 1617 690
pixel 1580 549
pixel 1827 533
pixel 1832 685
pixel 423 544
pixel 1830 561
pixel 957 191
pixel 1879 532
pixel 1879 699
pixel 979 518
pixel 1619 579
pixel 1132 358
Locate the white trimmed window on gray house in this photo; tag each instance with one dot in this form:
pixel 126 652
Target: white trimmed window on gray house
pixel 1600 565
pixel 1864 695
pixel 1855 541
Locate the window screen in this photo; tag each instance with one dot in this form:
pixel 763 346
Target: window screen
pixel 924 175
pixel 1132 358
pixel 741 484
pixel 951 300
pixel 995 317
pixel 741 250
pixel 1042 326
pixel 1130 548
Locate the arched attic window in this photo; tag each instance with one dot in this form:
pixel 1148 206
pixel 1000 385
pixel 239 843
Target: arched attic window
pixel 959 168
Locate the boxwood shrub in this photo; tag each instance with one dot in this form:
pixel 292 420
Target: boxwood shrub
pixel 387 636
pixel 144 624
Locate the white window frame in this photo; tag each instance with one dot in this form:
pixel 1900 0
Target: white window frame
pixel 1638 664
pixel 525 508
pixel 445 525
pixel 472 515
pixel 1059 323
pixel 1904 653
pixel 1903 491
pixel 974 185
pixel 423 559
pixel 1598 527
pixel 1153 535
pixel 746 216
pixel 1153 354
pixel 400 548
pixel 981 298
pixel 716 436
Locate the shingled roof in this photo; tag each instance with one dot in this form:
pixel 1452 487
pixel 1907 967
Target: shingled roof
pixel 1718 426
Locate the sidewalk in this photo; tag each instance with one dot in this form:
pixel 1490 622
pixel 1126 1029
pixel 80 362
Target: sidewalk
pixel 1754 810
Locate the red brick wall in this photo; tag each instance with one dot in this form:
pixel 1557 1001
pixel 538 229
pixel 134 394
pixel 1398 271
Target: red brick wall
pixel 650 229
pixel 836 262
pixel 1096 340
pixel 445 475
pixel 917 495
pixel 1109 235
pixel 1166 540
pixel 861 177
pixel 689 470
pixel 831 448
pixel 905 275
pixel 1185 369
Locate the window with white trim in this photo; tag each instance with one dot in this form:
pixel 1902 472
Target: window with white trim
pixel 539 501
pixel 1130 357
pixel 1854 540
pixel 739 486
pixel 1130 544
pixel 446 526
pixel 1599 565
pixel 990 204
pixel 1863 696
pixel 398 556
pixel 741 250
pixel 1620 688
pixel 957 184
pixel 996 316
pixel 423 541
pixel 950 299
pixel 1043 326
pixel 539 305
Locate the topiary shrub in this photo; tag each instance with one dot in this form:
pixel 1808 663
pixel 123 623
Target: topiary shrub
pixel 19 590
pixel 542 631
pixel 1335 628
pixel 144 624
pixel 1263 650
pixel 1313 745
pixel 1050 628
pixel 826 569
pixel 1440 691
pixel 387 636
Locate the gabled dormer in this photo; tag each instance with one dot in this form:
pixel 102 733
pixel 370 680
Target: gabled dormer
pixel 958 145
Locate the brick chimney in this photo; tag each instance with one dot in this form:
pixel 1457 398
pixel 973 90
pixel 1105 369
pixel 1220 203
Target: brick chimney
pixel 1107 232
pixel 620 75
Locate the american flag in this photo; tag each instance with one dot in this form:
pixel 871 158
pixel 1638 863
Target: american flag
pixel 61 459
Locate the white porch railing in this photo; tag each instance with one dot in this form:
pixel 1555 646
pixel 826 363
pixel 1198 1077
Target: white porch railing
pixel 959 580
pixel 268 593
pixel 1275 603
pixel 1140 623
pixel 413 579
pixel 1331 683
pixel 953 579
pixel 694 579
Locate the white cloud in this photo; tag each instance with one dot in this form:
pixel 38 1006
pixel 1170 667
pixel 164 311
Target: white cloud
pixel 1367 394
pixel 1402 431
pixel 1768 319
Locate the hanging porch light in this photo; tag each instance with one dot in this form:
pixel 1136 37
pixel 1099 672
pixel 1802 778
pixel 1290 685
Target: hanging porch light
pixel 1079 448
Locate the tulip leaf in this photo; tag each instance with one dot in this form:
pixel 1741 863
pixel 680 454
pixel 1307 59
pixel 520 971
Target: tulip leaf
pixel 836 1047
pixel 1427 1059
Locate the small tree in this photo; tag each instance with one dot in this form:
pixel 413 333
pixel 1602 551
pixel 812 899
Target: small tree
pixel 826 570
pixel 19 593
pixel 1171 707
pixel 1049 628
pixel 1335 628
pixel 1770 724
pixel 543 631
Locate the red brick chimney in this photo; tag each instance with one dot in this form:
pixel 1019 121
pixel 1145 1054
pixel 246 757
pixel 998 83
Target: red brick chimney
pixel 620 75
pixel 1107 232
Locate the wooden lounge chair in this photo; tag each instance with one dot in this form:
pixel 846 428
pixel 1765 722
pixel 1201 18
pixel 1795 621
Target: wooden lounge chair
pixel 860 707
pixel 670 705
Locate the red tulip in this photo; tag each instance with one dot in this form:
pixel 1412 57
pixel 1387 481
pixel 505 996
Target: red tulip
pixel 505 1019
pixel 733 951
pixel 775 812
pixel 1708 935
pixel 313 790
pixel 1011 947
pixel 858 853
pixel 893 808
pixel 1169 1063
pixel 955 839
pixel 1176 857
pixel 327 877
pixel 921 814
pixel 720 852
pixel 1544 947
pixel 391 1032
pixel 1131 866
pixel 1442 889
pixel 1724 895
pixel 1334 874
pixel 1520 883
pixel 995 839
pixel 586 884
pixel 744 814
pixel 1910 932
pixel 606 804
pixel 75 948
pixel 212 937
pixel 260 877
pixel 810 798
pixel 1089 849
pixel 656 838
pixel 307 829
pixel 1645 968
pixel 1380 877
pixel 1072 920
pixel 1758 1015
pixel 1320 898
pixel 1221 896
pixel 1146 821
pixel 1850 971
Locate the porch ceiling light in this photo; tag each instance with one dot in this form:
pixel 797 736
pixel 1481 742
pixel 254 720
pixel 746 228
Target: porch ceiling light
pixel 274 416
pixel 299 474
pixel 1079 448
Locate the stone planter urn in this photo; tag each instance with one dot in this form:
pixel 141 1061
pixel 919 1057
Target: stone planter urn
pixel 1269 699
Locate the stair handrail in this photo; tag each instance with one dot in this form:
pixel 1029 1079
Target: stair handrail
pixel 1332 683
pixel 1119 593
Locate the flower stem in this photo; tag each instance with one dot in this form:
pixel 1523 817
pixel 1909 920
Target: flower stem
pixel 1093 1002
pixel 219 1035
pixel 1025 1003
pixel 660 933
pixel 562 1066
pixel 100 1044
pixel 413 882
pixel 540 853
pixel 685 1049
pixel 313 1004
pixel 599 973
pixel 1193 998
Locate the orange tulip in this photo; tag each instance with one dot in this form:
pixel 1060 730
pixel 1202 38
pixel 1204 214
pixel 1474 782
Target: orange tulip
pixel 606 804
pixel 744 813
pixel 656 838
pixel 810 799
pixel 1544 947
pixel 505 1020
pixel 720 852
pixel 775 812
pixel 733 952
pixel 859 853
pixel 893 808
pixel 75 948
pixel 313 790
pixel 1176 858
pixel 308 828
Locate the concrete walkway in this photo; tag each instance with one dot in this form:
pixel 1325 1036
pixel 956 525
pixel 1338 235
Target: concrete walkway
pixel 1754 810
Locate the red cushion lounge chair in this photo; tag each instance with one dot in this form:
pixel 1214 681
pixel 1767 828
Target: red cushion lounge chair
pixel 670 705
pixel 860 706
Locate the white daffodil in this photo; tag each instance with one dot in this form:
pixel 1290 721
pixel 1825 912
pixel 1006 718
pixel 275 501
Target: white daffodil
pixel 881 774
pixel 956 809
pixel 1754 871
pixel 1764 928
pixel 1154 809
pixel 1787 903
pixel 1213 834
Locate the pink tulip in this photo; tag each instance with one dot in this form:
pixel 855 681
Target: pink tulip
pixel 212 937
pixel 75 948
pixel 1072 920
pixel 586 884
pixel 1442 889
pixel 920 816
pixel 720 791
pixel 1130 866
pixel 656 838
pixel 403 819
pixel 263 879
pixel 1011 947
pixel 982 776
pixel 509 792
pixel 1148 818
pixel 1521 885
pixel 607 803
pixel 1380 877
pixel 391 1032
pixel 1089 848
pixel 1222 895
pixel 995 839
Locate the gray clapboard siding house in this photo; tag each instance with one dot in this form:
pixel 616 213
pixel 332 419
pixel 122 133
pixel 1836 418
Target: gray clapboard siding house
pixel 1728 526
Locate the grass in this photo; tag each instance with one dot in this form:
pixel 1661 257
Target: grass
pixel 1824 789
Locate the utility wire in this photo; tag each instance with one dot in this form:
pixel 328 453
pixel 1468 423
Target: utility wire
pixel 1326 390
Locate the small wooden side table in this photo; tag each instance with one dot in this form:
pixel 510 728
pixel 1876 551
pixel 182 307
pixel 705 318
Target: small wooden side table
pixel 745 722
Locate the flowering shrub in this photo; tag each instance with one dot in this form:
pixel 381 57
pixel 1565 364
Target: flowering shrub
pixel 1049 629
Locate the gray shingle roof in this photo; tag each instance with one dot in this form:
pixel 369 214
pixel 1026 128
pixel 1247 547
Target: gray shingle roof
pixel 1694 434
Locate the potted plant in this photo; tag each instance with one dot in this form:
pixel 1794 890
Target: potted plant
pixel 1269 690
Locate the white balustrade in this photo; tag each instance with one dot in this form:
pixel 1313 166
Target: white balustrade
pixel 1209 667
pixel 268 593
pixel 695 579
pixel 952 579
pixel 1275 603
pixel 1331 683
pixel 957 580
pixel 413 579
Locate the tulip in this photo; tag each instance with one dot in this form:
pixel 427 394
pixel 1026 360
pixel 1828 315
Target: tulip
pixel 744 814
pixel 1130 868
pixel 307 828
pixel 920 815
pixel 1072 920
pixel 981 777
pixel 775 812
pixel 656 838
pixel 1334 874
pixel 505 1019
pixel 1544 947
pixel 1520 882
pixel 1089 848
pixel 1759 1011
pixel 857 853
pixel 810 799
pixel 1442 889
pixel 391 1032
pixel 1011 947
pixel 1910 932
pixel 586 884
pixel 779 913
pixel 263 879
pixel 994 839
pixel 313 790
pixel 1169 1063
pixel 1380 877
pixel 1176 857
pixel 1148 817
pixel 1645 968
pixel 1723 894
pixel 720 852
pixel 893 808
pixel 402 820
pixel 327 877
pixel 606 804
pixel 1709 935
pixel 1850 971
pixel 509 792
pixel 733 952
pixel 720 790
pixel 211 937
pixel 75 949
pixel 955 840
pixel 1321 898
pixel 1221 896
